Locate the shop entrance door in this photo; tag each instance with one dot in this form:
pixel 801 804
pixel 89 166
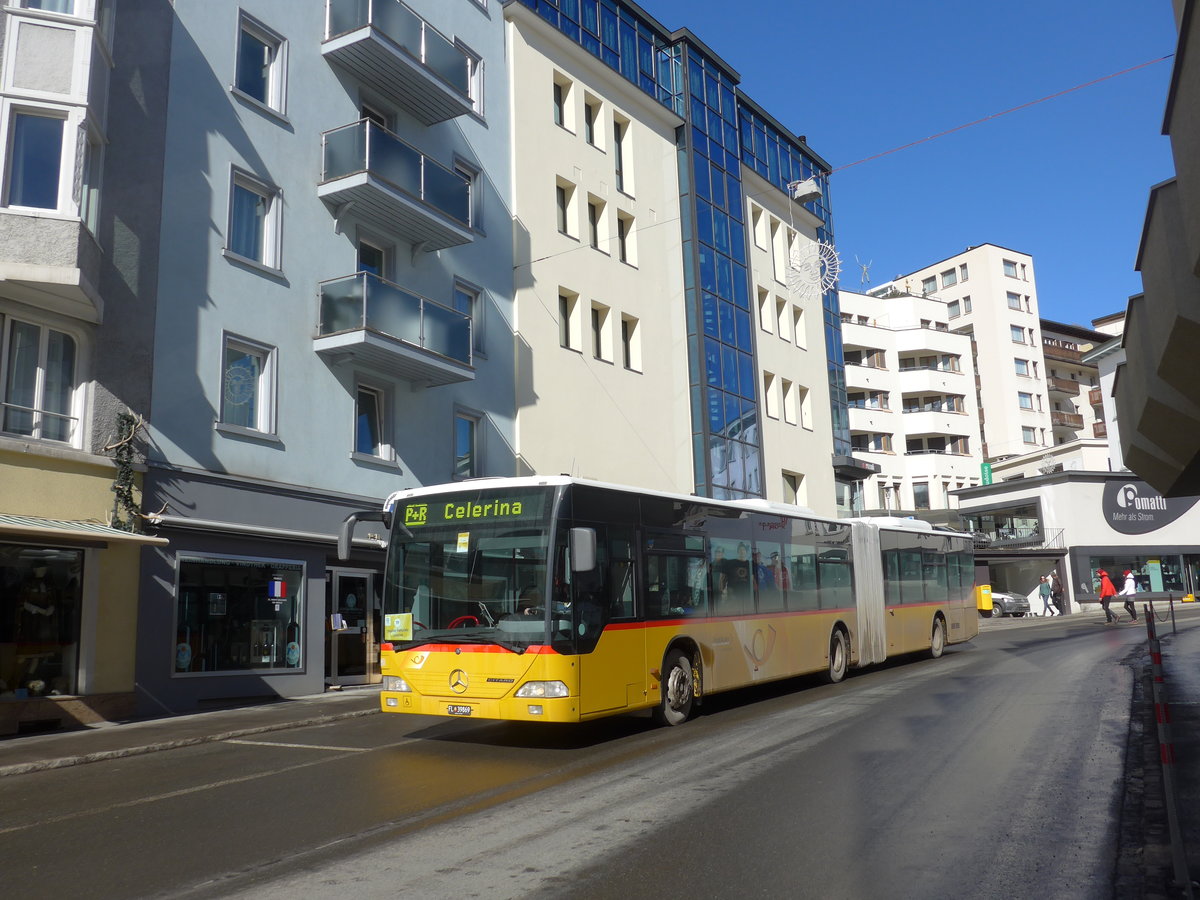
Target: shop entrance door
pixel 352 624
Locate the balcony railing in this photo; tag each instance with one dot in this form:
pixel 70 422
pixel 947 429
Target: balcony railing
pixel 1066 420
pixel 936 407
pixel 917 367
pixel 382 325
pixel 385 44
pixel 1021 539
pixel 1095 397
pixel 1055 349
pixel 1063 385
pixel 1099 429
pixel 394 187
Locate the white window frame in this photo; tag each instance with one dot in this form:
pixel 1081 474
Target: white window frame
pixel 475 293
pixel 600 322
pixel 91 176
pixel 272 233
pixel 570 325
pixel 475 419
pixel 276 94
pixel 566 109
pixel 72 119
pixel 78 399
pixel 631 343
pixel 1008 265
pixel 475 81
pixel 771 394
pixel 266 387
pixel 1025 400
pixel 386 451
pixel 1012 332
pixel 1018 364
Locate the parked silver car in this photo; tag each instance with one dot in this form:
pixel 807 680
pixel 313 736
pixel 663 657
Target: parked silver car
pixel 1006 604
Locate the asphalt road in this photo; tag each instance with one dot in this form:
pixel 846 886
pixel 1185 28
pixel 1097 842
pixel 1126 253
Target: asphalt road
pixel 993 772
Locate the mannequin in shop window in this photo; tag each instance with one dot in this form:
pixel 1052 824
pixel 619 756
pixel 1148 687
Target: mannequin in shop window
pixel 37 631
pixel 37 613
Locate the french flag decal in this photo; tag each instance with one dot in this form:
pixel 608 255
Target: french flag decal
pixel 277 589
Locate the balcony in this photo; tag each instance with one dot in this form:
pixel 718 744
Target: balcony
pixel 1056 349
pixel 1095 397
pixel 371 175
pixel 384 44
pixel 1063 385
pixel 1099 429
pixel 379 325
pixel 1073 421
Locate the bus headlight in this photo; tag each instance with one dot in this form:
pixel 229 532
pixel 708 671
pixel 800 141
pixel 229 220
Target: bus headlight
pixel 543 689
pixel 396 683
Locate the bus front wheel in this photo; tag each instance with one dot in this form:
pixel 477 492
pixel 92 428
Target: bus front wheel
pixel 937 640
pixel 677 688
pixel 839 655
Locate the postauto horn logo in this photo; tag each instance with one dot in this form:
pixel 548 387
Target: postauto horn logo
pixel 1133 507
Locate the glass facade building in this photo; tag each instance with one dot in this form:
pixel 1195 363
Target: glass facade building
pixel 724 130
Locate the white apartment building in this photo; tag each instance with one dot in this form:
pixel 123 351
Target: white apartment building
pixel 911 389
pixel 601 356
pixel 991 294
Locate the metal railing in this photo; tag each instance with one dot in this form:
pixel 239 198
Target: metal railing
pixel 366 301
pixel 365 147
pixel 406 30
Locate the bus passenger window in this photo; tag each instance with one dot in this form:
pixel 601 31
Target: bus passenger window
pixel 770 576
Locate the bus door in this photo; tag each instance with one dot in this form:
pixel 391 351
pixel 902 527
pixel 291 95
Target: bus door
pixel 613 669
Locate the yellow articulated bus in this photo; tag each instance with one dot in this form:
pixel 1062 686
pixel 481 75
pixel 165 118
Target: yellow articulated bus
pixel 558 599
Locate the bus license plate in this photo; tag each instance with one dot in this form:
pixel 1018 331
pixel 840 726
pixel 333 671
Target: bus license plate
pixel 457 709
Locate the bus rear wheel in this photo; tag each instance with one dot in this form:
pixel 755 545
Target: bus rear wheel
pixel 839 656
pixel 677 688
pixel 937 640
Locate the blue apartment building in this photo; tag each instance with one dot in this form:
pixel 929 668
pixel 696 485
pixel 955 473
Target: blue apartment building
pixel 333 299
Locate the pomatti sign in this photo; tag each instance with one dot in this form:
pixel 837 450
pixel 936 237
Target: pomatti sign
pixel 1133 507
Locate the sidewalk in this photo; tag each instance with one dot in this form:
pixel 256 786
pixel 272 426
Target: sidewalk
pixel 55 750
pixel 1181 693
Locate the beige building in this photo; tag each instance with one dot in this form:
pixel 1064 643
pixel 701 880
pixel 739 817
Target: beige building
pixel 609 362
pixel 791 350
pixel 601 361
pixel 911 388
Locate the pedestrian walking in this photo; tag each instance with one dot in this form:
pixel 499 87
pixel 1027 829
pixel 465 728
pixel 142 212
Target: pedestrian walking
pixel 1044 593
pixel 1128 592
pixel 1056 592
pixel 1107 592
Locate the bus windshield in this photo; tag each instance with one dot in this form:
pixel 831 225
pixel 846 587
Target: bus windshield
pixel 472 569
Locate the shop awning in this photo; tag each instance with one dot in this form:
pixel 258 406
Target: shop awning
pixel 76 532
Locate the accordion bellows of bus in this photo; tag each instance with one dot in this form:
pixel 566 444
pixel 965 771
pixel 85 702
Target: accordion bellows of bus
pixel 557 599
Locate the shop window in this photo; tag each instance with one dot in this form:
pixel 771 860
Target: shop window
pixel 236 614
pixel 39 620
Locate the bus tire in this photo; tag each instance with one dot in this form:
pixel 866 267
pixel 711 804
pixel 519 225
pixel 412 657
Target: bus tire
pixel 839 657
pixel 677 689
pixel 937 639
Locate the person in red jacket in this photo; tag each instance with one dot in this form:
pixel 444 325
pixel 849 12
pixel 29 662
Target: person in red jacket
pixel 1107 592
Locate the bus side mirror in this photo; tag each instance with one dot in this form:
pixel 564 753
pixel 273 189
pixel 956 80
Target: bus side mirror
pixel 346 535
pixel 583 549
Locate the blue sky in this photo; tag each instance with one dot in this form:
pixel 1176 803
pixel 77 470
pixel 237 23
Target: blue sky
pixel 1065 181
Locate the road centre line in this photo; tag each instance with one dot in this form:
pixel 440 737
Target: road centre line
pixel 297 746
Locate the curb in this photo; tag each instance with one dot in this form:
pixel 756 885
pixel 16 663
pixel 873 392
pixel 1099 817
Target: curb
pixel 124 752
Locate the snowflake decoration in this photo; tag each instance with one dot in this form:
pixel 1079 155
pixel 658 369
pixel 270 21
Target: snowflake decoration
pixel 813 269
